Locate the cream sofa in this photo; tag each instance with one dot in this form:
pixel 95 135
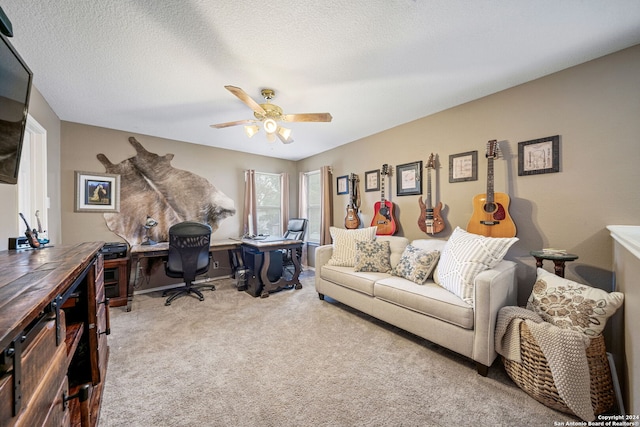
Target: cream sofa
pixel 427 310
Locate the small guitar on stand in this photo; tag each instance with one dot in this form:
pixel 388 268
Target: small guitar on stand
pixel 384 218
pixel 41 233
pixel 32 234
pixel 490 211
pixel 352 220
pixel 430 221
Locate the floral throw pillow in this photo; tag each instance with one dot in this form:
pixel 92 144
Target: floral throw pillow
pixel 571 305
pixel 416 264
pixel 373 256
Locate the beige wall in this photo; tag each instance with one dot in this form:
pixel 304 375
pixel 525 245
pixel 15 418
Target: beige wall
pixel 594 107
pixel 10 223
pixel 223 168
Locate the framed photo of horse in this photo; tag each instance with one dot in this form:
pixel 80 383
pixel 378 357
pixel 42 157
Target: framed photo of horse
pixel 97 192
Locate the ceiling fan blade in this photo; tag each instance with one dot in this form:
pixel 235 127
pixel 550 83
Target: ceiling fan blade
pixel 228 124
pixel 242 95
pixel 308 117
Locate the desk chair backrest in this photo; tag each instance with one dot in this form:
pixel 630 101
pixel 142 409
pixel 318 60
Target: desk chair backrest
pixel 296 229
pixel 188 250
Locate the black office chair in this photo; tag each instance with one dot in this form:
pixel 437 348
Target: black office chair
pixel 188 257
pixel 296 228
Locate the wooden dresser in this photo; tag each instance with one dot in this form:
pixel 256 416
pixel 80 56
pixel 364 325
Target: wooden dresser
pixel 54 322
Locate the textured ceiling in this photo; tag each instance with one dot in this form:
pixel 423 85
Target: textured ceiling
pixel 159 67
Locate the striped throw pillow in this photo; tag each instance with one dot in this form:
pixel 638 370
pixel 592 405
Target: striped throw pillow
pixel 465 256
pixel 344 244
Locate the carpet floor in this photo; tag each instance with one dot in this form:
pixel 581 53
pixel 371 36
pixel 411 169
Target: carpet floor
pixel 292 360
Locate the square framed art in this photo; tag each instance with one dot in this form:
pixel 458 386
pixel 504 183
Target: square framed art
pixel 372 180
pixel 342 184
pixel 539 156
pixel 97 192
pixel 463 167
pixel 409 179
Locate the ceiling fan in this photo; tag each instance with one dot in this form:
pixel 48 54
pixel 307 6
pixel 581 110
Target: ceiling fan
pixel 269 114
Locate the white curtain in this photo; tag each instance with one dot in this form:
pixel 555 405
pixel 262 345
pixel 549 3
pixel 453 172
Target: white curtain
pixel 250 221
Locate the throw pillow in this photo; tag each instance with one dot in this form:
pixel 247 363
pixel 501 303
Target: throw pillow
pixel 416 264
pixel 571 305
pixel 465 256
pixel 344 244
pixel 373 256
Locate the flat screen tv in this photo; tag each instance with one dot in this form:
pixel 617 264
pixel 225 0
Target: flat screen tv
pixel 15 87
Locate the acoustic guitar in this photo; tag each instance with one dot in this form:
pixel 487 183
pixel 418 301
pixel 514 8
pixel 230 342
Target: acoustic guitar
pixel 491 210
pixel 384 218
pixel 430 220
pixel 32 234
pixel 352 220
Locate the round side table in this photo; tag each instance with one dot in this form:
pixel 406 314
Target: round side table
pixel 558 260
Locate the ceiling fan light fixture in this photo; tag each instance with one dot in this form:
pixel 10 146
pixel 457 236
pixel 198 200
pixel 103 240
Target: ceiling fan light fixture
pixel 270 126
pixel 284 134
pixel 271 137
pixel 251 130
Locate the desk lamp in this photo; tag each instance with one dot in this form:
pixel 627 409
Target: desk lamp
pixel 148 225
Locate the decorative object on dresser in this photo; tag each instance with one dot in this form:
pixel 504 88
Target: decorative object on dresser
pixel 384 218
pixel 430 221
pixel 352 220
pixel 54 322
pixel 490 210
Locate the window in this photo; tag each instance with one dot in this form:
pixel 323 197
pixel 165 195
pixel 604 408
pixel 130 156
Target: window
pixel 268 199
pixel 32 178
pixel 312 205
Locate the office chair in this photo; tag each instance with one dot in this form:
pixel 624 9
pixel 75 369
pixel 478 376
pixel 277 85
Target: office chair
pixel 296 228
pixel 188 257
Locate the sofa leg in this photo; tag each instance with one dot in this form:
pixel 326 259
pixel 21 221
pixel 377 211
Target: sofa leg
pixel 482 369
pixel 321 296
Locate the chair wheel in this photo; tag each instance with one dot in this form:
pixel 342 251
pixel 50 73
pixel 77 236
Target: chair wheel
pixel 167 303
pixel 201 298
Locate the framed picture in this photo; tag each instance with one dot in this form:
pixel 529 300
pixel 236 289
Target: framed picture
pixel 342 183
pixel 539 156
pixel 409 179
pixel 97 192
pixel 463 167
pixel 372 180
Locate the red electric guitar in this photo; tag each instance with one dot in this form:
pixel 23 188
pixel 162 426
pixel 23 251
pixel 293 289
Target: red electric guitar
pixel 490 211
pixel 430 221
pixel 384 218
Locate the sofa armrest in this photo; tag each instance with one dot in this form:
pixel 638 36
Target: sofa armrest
pixel 494 289
pixel 322 257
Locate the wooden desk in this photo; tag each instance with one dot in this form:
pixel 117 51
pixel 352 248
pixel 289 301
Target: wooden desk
pixel 263 248
pixel 161 250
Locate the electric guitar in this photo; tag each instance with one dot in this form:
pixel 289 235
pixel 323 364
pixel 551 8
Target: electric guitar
pixel 490 211
pixel 430 221
pixel 42 240
pixel 384 218
pixel 32 235
pixel 352 220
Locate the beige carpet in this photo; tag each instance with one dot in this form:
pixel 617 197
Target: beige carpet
pixel 292 360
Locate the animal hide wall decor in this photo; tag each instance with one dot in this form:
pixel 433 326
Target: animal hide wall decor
pixel 149 185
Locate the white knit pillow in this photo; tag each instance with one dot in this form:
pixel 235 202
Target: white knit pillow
pixel 344 244
pixel 465 256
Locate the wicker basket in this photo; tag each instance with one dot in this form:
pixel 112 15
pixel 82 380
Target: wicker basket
pixel 534 376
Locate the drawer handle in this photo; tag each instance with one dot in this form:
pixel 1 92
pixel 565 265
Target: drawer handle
pixel 106 315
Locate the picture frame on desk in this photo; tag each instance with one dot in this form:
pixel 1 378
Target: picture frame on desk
pixel 97 192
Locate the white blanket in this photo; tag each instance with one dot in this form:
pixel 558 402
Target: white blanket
pixel 564 350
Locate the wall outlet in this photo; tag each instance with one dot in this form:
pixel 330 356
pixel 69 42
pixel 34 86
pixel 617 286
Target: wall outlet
pixel 216 264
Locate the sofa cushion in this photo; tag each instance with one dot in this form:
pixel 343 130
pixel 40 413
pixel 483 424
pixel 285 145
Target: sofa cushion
pixel 416 264
pixel 397 245
pixel 373 256
pixel 464 256
pixel 344 244
pixel 428 299
pixel 345 276
pixel 571 305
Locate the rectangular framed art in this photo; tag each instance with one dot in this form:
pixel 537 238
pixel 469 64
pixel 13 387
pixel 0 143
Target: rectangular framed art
pixel 342 184
pixel 372 180
pixel 97 192
pixel 409 179
pixel 463 167
pixel 539 156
